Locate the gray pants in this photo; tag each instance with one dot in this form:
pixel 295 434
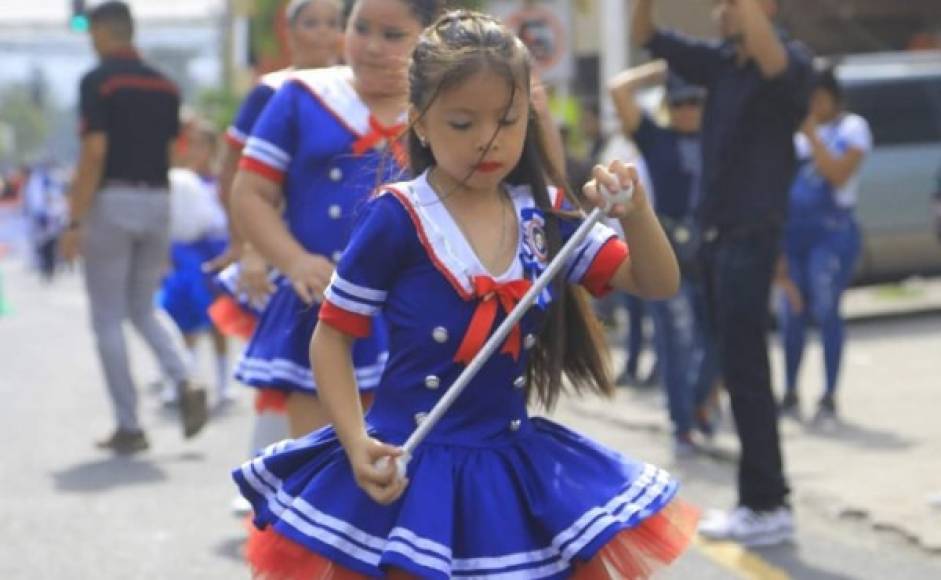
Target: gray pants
pixel 126 248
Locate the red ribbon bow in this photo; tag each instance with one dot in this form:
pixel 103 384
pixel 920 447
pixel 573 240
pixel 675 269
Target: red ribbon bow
pixel 490 293
pixel 379 133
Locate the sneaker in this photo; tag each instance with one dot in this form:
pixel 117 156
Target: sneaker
pixel 826 411
pixel 241 507
pixel 790 406
pixel 749 527
pixel 684 447
pixel 194 412
pixel 124 442
pixel 169 395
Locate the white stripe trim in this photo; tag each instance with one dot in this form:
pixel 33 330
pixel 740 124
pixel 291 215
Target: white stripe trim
pixel 550 569
pixel 235 134
pixel 356 290
pixel 350 306
pixel 263 158
pixel 588 251
pixel 428 561
pixel 270 148
pixel 646 488
pixel 264 370
pixel 419 542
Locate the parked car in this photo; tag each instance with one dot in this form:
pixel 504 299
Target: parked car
pixel 900 95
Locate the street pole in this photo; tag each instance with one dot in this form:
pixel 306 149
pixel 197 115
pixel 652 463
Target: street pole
pixel 615 52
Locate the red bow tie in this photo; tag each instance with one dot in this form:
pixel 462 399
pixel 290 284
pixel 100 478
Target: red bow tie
pixel 379 134
pixel 489 292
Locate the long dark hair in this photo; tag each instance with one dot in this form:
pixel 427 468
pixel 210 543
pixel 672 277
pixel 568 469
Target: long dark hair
pixel 458 45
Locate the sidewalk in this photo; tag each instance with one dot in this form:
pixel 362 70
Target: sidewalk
pixel 882 463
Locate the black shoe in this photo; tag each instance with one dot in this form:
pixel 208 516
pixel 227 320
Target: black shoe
pixel 790 406
pixel 194 410
pixel 826 410
pixel 125 442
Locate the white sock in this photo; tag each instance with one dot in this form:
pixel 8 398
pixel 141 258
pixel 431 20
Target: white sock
pixel 222 373
pixel 269 428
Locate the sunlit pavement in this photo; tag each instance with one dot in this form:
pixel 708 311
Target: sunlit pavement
pixel 70 511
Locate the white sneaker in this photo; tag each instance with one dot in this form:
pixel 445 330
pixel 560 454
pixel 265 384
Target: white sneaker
pixel 169 395
pixel 241 507
pixel 748 527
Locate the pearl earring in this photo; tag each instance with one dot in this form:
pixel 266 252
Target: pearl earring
pixel 423 141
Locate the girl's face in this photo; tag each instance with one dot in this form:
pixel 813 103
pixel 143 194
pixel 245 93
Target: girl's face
pixel 476 138
pixel 380 37
pixel 823 106
pixel 314 34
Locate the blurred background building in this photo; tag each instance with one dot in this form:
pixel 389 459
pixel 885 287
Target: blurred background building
pixel 214 48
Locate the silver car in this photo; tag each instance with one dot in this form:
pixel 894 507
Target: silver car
pixel 900 95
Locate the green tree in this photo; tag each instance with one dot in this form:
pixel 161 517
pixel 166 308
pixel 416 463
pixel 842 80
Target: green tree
pixel 29 123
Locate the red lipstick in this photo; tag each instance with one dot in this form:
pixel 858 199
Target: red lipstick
pixel 488 166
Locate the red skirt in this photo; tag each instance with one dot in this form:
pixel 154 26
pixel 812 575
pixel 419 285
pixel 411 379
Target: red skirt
pixel 632 554
pixel 231 319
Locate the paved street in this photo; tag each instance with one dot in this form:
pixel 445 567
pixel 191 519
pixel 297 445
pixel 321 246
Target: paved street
pixel 861 492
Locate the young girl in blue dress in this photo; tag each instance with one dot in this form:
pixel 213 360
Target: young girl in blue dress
pixel 318 149
pixel 492 492
pixel 314 32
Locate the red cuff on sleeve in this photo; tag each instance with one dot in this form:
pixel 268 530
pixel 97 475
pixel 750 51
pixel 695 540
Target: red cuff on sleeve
pixel 355 325
pixel 233 142
pixel 597 279
pixel 257 167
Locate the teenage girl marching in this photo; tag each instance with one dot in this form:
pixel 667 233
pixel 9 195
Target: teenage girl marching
pixel 492 491
pixel 325 140
pixel 314 35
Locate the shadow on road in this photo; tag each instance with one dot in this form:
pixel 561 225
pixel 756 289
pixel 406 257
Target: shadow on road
pixel 231 549
pixel 105 474
pixel 787 557
pixel 861 436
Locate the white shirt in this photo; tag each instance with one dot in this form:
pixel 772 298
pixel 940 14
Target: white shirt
pixel 848 131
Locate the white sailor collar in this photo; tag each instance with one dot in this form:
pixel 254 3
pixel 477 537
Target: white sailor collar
pixel 446 245
pixel 333 87
pixel 275 79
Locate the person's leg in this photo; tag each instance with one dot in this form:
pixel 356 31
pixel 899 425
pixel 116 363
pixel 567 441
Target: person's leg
pixel 151 252
pixel 831 268
pixel 794 321
pixel 702 365
pixel 674 338
pixel 742 285
pixel 221 349
pixel 107 262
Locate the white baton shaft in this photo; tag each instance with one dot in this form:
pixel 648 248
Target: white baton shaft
pixel 497 338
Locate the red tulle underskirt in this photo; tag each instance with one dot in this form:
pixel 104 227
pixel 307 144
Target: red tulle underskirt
pixel 271 401
pixel 632 554
pixel 231 319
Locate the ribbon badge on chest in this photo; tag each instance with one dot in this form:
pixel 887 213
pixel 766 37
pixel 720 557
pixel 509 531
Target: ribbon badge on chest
pixel 535 251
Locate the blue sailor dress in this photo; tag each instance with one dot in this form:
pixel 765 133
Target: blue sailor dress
pixel 318 140
pixel 493 492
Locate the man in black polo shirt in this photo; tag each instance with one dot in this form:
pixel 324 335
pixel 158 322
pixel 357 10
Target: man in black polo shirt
pixel 758 86
pixel 120 216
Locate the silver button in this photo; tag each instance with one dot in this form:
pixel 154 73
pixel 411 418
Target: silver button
pixel 336 256
pixel 420 418
pixel 529 341
pixel 432 382
pixel 336 174
pixel 335 211
pixel 520 382
pixel 440 334
pixel 515 425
